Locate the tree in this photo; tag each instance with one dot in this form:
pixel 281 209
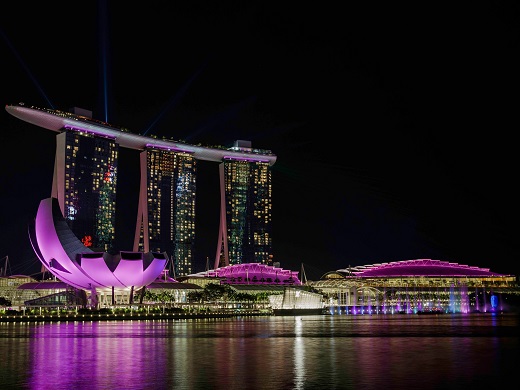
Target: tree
pixel 196 296
pixel 214 292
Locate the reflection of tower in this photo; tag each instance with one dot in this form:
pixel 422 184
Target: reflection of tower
pixel 84 182
pixel 245 210
pixel 166 209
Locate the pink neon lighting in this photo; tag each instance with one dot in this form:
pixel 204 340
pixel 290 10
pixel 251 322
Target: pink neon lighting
pixel 418 267
pixel 254 273
pixel 81 267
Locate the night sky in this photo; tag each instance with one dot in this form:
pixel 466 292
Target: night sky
pixel 394 127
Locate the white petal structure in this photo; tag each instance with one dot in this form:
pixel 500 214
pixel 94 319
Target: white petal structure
pixel 65 256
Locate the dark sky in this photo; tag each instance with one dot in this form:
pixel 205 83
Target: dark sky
pixel 394 127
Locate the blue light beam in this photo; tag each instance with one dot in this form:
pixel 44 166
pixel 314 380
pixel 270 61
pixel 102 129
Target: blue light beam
pixel 104 54
pixel 27 70
pixel 222 117
pixel 175 98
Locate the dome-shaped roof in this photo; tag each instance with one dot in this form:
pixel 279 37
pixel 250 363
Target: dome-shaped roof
pixel 418 267
pixel 253 273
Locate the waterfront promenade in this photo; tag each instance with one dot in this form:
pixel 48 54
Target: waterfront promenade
pixel 128 316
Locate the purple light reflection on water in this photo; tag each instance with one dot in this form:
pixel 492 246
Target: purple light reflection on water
pixel 95 355
pixel 286 352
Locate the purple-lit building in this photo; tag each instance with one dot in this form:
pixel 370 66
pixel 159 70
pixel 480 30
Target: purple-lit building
pixel 74 229
pixel 250 274
pixel 85 181
pixel 411 286
pixel 102 275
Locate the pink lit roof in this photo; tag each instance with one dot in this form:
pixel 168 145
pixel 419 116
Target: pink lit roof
pixel 252 273
pixel 418 267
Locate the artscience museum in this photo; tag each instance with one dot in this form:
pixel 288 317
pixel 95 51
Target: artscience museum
pixel 65 256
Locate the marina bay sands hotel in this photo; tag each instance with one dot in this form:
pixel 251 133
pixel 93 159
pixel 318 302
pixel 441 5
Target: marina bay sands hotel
pixel 85 181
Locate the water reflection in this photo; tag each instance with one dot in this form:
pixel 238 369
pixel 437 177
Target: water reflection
pixel 299 355
pixel 93 355
pixel 306 352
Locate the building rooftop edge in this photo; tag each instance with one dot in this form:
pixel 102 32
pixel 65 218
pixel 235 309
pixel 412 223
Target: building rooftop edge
pixel 59 120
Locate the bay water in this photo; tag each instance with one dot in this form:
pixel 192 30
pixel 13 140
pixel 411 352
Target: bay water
pixel 399 351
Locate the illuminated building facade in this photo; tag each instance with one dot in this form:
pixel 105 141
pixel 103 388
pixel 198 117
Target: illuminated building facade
pixel 66 257
pixel 253 274
pixel 88 150
pixel 416 286
pixel 166 210
pixel 84 182
pixel 245 211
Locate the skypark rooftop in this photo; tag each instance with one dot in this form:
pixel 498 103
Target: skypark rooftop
pixel 59 121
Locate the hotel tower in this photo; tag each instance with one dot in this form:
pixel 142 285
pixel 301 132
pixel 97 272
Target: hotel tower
pixel 245 210
pixel 85 182
pixel 166 209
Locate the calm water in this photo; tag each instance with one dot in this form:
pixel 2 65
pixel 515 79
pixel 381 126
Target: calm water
pixel 303 352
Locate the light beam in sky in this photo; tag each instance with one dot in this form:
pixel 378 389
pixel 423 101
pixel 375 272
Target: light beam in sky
pixel 104 53
pixel 24 66
pixel 175 98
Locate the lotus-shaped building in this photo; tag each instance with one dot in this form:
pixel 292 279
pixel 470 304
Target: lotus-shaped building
pixel 65 256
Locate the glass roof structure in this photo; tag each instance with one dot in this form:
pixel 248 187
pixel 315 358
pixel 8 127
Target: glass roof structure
pixel 252 273
pixel 418 267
